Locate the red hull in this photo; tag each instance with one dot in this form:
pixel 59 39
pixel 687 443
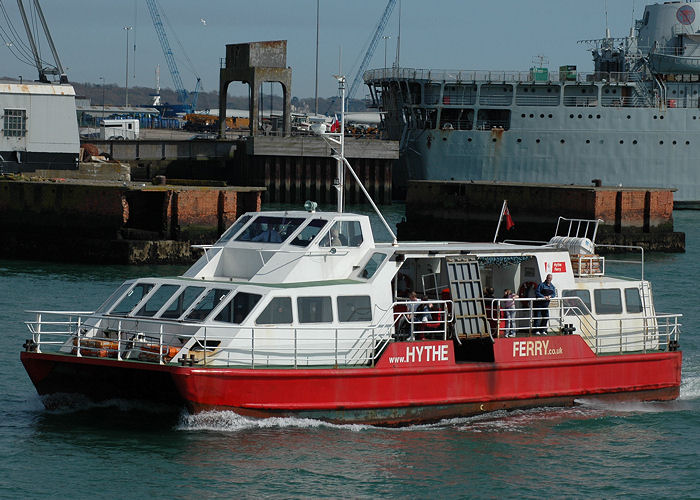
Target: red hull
pixel 421 382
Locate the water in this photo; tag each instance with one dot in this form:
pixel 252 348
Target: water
pixel 118 450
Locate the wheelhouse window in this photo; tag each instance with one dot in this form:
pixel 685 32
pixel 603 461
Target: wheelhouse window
pixel 277 312
pixel 269 229
pixel 15 123
pixel 633 302
pixel 343 234
pixel 133 297
pixel 231 232
pixel 354 308
pixel 573 304
pixel 157 300
pixel 207 304
pixel 314 310
pixel 182 302
pixel 372 265
pixel 306 236
pixel 238 308
pixel 107 304
pixel 608 301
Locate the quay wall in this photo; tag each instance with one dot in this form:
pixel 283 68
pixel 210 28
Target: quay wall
pixel 115 223
pixel 468 211
pixel 292 169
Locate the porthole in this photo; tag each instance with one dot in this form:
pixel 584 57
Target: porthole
pixel 661 117
pixel 588 141
pixel 542 115
pixel 695 117
pixel 469 139
pixel 629 117
pixel 562 141
pixel 494 139
pixel 580 116
pixel 654 117
pixel 607 91
pixel 674 143
pixel 571 116
pixel 537 141
pixel 634 141
pixel 590 116
pixel 520 140
pixel 687 143
pixel 531 115
pixel 673 92
pixel 621 141
pixel 549 115
pixel 549 90
pixel 444 138
pixel 661 142
pixel 522 116
pixel 598 117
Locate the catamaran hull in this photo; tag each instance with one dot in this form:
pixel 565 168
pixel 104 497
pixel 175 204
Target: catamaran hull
pixel 411 383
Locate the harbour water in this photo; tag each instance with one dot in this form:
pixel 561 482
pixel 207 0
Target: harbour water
pixel 117 450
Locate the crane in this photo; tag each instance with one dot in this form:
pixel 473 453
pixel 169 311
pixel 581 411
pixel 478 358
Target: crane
pixel 378 32
pixel 187 101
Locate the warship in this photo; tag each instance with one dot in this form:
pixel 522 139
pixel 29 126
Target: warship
pixel 633 121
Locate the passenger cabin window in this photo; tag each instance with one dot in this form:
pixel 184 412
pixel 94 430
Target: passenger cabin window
pixel 277 312
pixel 343 234
pixel 238 308
pixel 314 310
pixel 269 229
pixel 207 304
pixel 182 302
pixel 574 303
pixel 306 236
pixel 132 298
pixel 354 308
pixel 231 232
pixel 608 301
pixel 157 300
pixel 372 265
pixel 113 298
pixel 633 302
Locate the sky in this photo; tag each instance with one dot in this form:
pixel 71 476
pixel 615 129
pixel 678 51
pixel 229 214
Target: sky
pixel 435 34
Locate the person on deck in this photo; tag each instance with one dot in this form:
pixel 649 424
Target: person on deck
pixel 544 293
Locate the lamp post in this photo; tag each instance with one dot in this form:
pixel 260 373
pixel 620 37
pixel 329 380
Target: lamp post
pixel 102 79
pixel 385 37
pixel 317 30
pixel 126 85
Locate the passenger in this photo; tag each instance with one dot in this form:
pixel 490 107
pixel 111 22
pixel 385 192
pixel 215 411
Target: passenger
pixel 268 234
pixel 508 308
pixel 545 291
pixel 337 239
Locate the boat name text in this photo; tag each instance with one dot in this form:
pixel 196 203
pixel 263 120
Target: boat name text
pixel 422 354
pixel 525 348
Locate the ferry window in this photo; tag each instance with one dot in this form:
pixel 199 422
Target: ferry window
pixel 182 302
pixel 314 309
pixel 231 232
pixel 354 308
pixel 278 311
pixel 238 308
pixel 573 302
pixel 343 234
pixel 607 301
pixel 269 229
pixel 113 298
pixel 157 300
pixel 633 302
pixel 372 265
pixel 309 233
pixel 132 298
pixel 207 304
pixel 15 123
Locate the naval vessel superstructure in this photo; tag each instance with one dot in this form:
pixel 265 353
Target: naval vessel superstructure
pixel 633 121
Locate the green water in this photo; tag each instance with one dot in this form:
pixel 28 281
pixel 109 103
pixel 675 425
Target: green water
pixel 120 450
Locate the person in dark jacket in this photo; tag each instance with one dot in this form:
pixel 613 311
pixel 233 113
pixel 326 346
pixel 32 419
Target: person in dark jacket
pixel 544 293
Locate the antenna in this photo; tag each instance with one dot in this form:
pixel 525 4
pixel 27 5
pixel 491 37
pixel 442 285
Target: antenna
pixel 607 29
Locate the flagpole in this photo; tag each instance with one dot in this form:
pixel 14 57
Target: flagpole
pixel 500 218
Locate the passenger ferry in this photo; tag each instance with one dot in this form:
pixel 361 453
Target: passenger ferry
pixel 632 121
pixel 302 313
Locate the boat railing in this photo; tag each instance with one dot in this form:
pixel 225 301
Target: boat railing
pixel 569 315
pixel 145 339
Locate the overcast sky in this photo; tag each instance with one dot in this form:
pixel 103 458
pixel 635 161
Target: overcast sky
pixel 435 34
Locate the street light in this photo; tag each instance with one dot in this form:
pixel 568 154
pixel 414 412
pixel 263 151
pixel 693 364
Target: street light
pixel 385 37
pixel 102 78
pixel 126 85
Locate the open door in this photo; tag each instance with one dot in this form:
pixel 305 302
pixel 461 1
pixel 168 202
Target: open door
pixel 467 295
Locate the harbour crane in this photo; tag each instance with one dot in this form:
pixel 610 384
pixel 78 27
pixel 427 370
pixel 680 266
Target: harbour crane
pixel 43 70
pixel 187 101
pixel 378 32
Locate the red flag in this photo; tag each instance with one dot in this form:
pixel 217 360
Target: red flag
pixel 509 220
pixel 335 125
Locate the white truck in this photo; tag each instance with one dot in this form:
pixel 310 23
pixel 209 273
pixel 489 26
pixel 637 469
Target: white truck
pixel 119 129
